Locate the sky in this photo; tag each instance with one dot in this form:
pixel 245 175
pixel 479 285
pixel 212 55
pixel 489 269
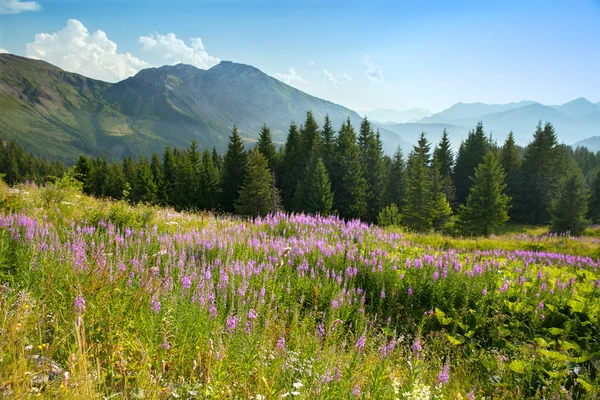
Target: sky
pixel 362 54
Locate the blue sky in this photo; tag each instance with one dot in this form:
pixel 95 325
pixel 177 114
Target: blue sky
pixel 365 55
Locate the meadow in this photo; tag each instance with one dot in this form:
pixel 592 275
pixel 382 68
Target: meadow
pixel 103 299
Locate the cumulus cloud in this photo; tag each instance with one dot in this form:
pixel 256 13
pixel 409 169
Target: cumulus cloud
pixel 74 49
pixel 336 79
pixel 173 50
pixel 291 78
pixel 18 6
pixel 373 72
pixel 3 51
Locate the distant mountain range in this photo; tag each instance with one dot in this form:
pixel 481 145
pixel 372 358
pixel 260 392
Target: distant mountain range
pixel 574 121
pixel 61 115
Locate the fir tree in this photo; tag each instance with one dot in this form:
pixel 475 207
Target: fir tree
pixel 417 211
pixel 185 196
pixel 441 211
pixel 266 147
pixel 233 173
pixel 144 188
pixel 313 194
pixel 167 192
pixel 396 183
pixel 569 207
pixel 217 159
pixel 129 170
pixel 328 143
pixel 540 173
pixel 470 155
pixel 443 153
pixel 350 185
pixel 291 168
pixel 256 195
pixel 310 139
pixel 487 204
pixel 115 182
pixel 371 156
pixel 193 180
pixel 209 182
pixel 83 173
pixel 595 197
pixel 99 172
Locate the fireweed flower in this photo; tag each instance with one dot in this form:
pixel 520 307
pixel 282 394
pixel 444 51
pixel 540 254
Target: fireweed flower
pixel 410 291
pixel 281 343
pixel 79 305
pixel 155 304
pixel 444 375
pixel 417 346
pixel 360 344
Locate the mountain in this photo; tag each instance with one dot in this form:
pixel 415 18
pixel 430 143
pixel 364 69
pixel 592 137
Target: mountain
pixel 411 132
pixel 592 143
pixel 387 116
pixel 61 114
pixel 578 107
pixel 462 111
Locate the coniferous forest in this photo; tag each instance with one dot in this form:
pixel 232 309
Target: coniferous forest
pixel 319 170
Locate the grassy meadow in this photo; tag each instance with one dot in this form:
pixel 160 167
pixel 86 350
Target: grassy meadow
pixel 102 299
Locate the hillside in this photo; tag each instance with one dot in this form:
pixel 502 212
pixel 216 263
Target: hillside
pixel 61 115
pixel 592 143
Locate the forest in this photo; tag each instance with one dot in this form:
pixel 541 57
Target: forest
pixel 319 170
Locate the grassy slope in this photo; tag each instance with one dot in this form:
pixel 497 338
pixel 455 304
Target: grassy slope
pixel 170 300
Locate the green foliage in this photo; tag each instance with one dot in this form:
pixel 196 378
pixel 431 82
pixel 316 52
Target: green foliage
pixel 389 216
pixel 595 197
pixel 266 147
pixel 470 155
pixel 233 173
pixel 443 153
pixel 257 196
pixel 144 187
pixel 487 205
pixel 396 180
pixel 313 194
pixel 569 207
pixel 371 158
pixel 291 167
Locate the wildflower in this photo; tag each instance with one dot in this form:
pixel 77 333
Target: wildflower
pixel 281 343
pixel 444 375
pixel 79 305
pixel 360 344
pixel 541 305
pixel 155 304
pixel 410 291
pixel 356 390
pixel 484 292
pixel 417 346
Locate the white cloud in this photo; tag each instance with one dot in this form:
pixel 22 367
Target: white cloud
pixel 175 51
pixel 3 51
pixel 373 72
pixel 74 49
pixel 336 79
pixel 18 6
pixel 291 78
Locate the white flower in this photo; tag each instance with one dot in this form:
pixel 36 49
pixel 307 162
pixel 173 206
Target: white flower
pixel 298 385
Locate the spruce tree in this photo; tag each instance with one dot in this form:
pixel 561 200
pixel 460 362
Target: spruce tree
pixel 350 186
pixel 569 206
pixel 144 188
pixel 266 147
pixel 487 204
pixel 217 159
pixel 290 168
pixel 185 188
pixel 594 207
pixel 256 195
pixel 193 180
pixel 233 174
pixel 168 191
pixel 99 172
pixel 396 183
pixel 129 170
pixel 115 182
pixel 328 143
pixel 443 153
pixel 417 211
pixel 209 182
pixel 441 210
pixel 310 139
pixel 313 194
pixel 83 173
pixel 540 176
pixel 470 155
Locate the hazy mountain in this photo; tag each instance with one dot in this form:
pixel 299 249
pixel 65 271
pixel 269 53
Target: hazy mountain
pixel 463 111
pixel 578 107
pixel 61 114
pixel 383 115
pixel 593 143
pixel 412 131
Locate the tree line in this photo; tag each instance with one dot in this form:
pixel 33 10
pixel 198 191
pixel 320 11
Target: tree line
pixel 319 170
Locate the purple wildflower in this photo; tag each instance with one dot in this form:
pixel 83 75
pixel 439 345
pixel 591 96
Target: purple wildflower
pixel 79 305
pixel 444 375
pixel 155 304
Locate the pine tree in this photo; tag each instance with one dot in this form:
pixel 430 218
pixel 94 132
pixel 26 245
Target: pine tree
pixel 185 189
pixel 443 153
pixel 313 194
pixel 99 172
pixel 425 148
pixel 569 207
pixel 233 173
pixel 441 211
pixel 266 147
pixel 310 139
pixel 487 204
pixel 83 173
pixel 417 210
pixel 396 182
pixel 129 170
pixel 115 182
pixel 209 182
pixel 371 156
pixel 328 143
pixel 193 180
pixel 144 188
pixel 291 168
pixel 470 155
pixel 594 207
pixel 540 173
pixel 350 186
pixel 217 159
pixel 167 193
pixel 255 197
